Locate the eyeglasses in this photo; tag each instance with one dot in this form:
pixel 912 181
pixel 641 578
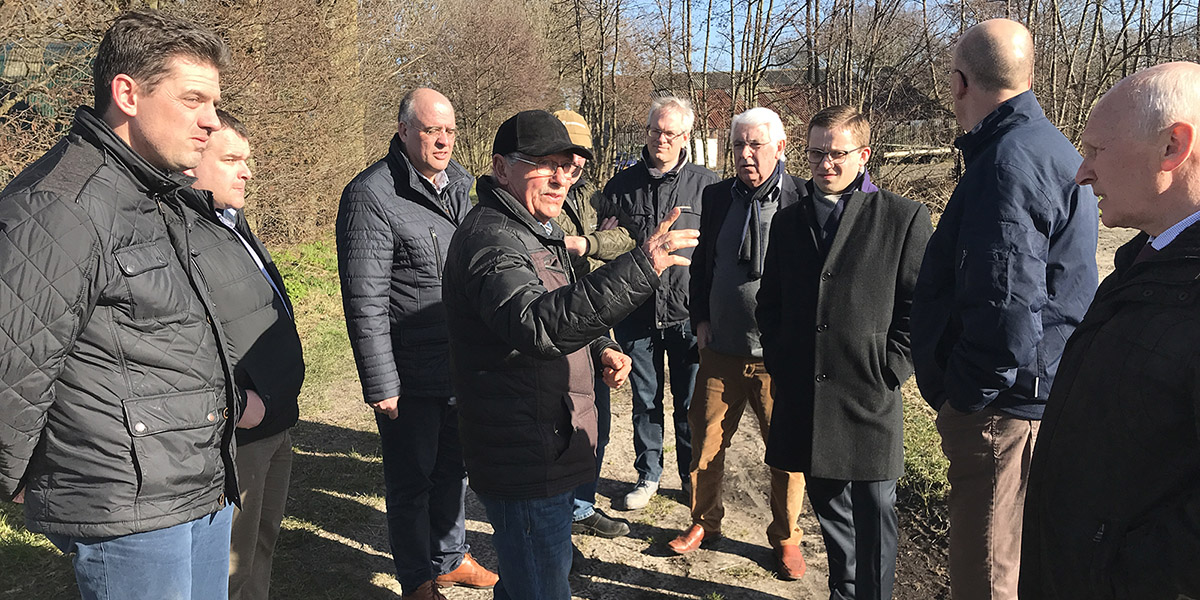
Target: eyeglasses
pixel 817 156
pixel 753 146
pixel 436 131
pixel 669 136
pixel 547 167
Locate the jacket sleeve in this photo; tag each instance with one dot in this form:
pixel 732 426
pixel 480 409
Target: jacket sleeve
pixel 700 272
pixel 611 243
pixel 598 346
pixel 49 262
pixel 364 248
pixel 899 341
pixel 1000 289
pixel 503 285
pixel 769 301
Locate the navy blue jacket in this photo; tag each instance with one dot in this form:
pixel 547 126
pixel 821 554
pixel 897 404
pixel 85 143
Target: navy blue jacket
pixel 1010 270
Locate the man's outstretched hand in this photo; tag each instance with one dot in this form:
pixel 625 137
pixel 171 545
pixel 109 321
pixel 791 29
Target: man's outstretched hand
pixel 664 242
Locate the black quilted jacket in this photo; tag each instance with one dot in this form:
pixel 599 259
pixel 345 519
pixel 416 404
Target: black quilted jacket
pixel 263 344
pixel 392 235
pixel 116 404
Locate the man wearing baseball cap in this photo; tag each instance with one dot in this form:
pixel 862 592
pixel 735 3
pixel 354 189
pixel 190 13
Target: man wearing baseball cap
pixel 526 336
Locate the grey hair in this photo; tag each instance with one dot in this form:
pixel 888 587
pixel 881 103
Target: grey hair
pixel 756 117
pixel 1161 96
pixel 675 104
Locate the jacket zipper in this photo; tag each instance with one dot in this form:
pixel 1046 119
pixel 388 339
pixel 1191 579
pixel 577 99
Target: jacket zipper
pixel 437 252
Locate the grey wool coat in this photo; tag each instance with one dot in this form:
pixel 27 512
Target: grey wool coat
pixel 835 334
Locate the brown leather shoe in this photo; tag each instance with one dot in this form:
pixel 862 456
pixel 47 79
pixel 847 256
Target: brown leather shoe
pixel 426 591
pixel 468 574
pixel 791 562
pixel 691 539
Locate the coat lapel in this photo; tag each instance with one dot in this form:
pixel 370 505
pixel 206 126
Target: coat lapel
pixel 850 214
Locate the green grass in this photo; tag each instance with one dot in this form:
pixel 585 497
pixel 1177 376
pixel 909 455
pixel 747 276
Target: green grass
pixel 924 464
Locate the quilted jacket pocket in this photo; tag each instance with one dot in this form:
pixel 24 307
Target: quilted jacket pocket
pixel 176 442
pixel 155 286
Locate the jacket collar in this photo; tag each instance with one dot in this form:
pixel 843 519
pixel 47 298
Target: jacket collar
pixel 655 173
pixel 1019 109
pixel 147 177
pixel 493 195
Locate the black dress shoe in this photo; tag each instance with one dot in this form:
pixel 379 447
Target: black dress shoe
pixel 600 525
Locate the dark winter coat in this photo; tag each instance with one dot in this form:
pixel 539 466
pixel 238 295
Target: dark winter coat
pixel 263 344
pixel 1113 501
pixel 1010 269
pixel 835 335
pixel 524 335
pixel 117 405
pixel 646 200
pixel 393 230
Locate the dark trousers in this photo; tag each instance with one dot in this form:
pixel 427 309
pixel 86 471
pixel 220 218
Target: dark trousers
pixel 585 494
pixel 646 346
pixel 859 523
pixel 426 485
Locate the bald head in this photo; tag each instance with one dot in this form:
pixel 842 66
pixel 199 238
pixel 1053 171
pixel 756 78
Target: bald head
pixel 420 99
pixel 996 55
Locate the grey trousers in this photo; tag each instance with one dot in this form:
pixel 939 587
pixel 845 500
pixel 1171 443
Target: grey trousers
pixel 860 527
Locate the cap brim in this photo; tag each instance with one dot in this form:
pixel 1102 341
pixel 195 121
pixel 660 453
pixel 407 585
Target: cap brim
pixel 553 148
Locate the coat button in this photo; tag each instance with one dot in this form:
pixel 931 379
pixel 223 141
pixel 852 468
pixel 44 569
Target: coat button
pixel 139 427
pixel 211 417
pixel 822 328
pixel 225 413
pixel 822 377
pixel 826 276
pixel 221 500
pixel 1148 293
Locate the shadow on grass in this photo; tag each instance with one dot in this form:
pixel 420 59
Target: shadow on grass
pixel 335 541
pixel 30 567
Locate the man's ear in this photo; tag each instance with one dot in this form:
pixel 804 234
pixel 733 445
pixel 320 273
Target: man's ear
pixel 1180 142
pixel 125 94
pixel 500 169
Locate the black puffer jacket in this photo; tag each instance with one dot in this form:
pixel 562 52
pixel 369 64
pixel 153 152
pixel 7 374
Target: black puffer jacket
pixel 1113 505
pixel 117 406
pixel 263 344
pixel 520 331
pixel 392 233
pixel 647 199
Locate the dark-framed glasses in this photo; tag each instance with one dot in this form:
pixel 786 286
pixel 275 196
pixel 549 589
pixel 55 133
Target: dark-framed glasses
pixel 547 167
pixel 669 136
pixel 817 156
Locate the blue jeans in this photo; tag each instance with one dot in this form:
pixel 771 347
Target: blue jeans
pixel 533 545
pixel 425 486
pixel 646 346
pixel 189 561
pixel 585 494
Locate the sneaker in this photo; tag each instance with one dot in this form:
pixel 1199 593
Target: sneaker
pixel 600 525
pixel 641 494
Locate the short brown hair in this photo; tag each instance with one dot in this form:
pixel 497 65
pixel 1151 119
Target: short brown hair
pixel 843 116
pixel 142 45
pixel 229 121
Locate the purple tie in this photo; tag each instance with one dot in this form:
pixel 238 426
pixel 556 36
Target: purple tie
pixel 1146 252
